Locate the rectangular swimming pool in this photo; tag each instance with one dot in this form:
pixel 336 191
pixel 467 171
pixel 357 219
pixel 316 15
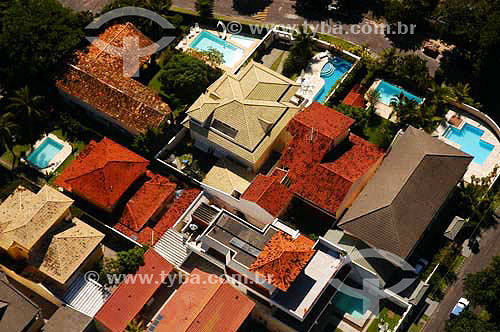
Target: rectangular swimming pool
pixel 356 305
pixel 45 153
pixel 388 91
pixel 331 72
pixel 206 41
pixel 469 138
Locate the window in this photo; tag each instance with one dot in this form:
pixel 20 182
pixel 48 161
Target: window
pixel 224 128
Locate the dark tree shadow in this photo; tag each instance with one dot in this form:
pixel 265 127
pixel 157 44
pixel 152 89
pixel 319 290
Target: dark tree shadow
pixel 250 7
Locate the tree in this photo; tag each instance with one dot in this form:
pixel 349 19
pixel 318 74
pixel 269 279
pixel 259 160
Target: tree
pixel 183 78
pixel 35 36
pixel 8 128
pixel 131 260
pixel 29 109
pixel 150 142
pixel 483 288
pixel 409 113
pixel 301 52
pixel 467 321
pixel 135 326
pixel 205 8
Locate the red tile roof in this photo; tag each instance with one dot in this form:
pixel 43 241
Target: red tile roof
pixel 283 258
pixel 355 97
pixel 147 201
pixel 269 193
pixel 175 211
pixel 322 182
pixel 97 78
pixel 205 303
pixel 102 172
pixel 132 294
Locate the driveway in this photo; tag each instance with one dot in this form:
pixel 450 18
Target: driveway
pixel 489 247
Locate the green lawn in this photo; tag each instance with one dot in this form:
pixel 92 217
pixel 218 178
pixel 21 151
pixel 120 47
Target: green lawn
pixel 339 42
pixel 77 146
pixel 18 149
pixel 277 62
pixel 389 317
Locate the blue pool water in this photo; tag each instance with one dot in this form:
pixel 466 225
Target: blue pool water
pixel 331 72
pixel 205 41
pixel 388 91
pixel 44 153
pixel 469 138
pixel 354 306
pixel 243 41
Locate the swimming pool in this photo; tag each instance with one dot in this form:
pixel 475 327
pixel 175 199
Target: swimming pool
pixel 331 72
pixel 43 154
pixel 205 41
pixel 355 306
pixel 469 138
pixel 246 42
pixel 388 91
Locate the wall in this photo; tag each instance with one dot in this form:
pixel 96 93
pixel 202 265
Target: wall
pixel 477 113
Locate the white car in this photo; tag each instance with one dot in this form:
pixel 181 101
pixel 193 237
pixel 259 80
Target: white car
pixel 421 265
pixel 461 305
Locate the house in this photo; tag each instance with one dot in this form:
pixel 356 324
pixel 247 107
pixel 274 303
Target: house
pixel 66 319
pixel 204 302
pixel 95 81
pixel 70 248
pixel 147 204
pixel 243 117
pixel 323 164
pixel 17 312
pixel 400 202
pixel 134 294
pixel 102 173
pixel 288 273
pixel 26 217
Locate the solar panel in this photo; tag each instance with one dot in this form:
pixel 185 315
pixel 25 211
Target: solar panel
pixel 244 246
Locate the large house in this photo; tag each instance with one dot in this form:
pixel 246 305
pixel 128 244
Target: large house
pixel 102 173
pixel 26 218
pixel 323 164
pixel 243 117
pixel 400 202
pixel 95 81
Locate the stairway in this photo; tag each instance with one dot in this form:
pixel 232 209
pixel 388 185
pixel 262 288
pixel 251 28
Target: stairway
pixel 262 15
pixel 171 247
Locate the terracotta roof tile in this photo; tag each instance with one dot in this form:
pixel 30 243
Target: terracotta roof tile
pixel 355 98
pixel 269 193
pixel 283 258
pixel 102 172
pixel 129 298
pixel 205 303
pixel 175 211
pixel 147 201
pixel 96 77
pixel 313 175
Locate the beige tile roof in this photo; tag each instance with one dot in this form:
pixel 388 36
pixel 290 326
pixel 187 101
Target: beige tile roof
pixel 68 249
pixel 25 216
pixel 253 102
pixel 228 177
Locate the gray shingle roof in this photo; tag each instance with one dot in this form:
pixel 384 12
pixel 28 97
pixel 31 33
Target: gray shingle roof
pixel 400 201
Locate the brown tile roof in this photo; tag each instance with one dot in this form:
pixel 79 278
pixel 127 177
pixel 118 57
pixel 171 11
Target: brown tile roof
pixel 96 77
pixel 269 193
pixel 205 303
pixel 355 97
pixel 397 205
pixel 102 172
pixel 147 201
pixel 283 258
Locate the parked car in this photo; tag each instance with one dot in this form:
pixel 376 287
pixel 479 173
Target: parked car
pixel 421 265
pixel 461 305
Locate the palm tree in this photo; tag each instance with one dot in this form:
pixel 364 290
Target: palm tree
pixel 300 53
pixel 409 112
pixel 29 109
pixel 135 326
pixel 8 128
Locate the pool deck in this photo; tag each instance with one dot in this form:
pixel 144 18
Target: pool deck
pixel 185 43
pixel 58 159
pixel 474 168
pixel 310 79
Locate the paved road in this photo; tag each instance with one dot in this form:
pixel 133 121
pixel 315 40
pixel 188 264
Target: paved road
pixel 489 247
